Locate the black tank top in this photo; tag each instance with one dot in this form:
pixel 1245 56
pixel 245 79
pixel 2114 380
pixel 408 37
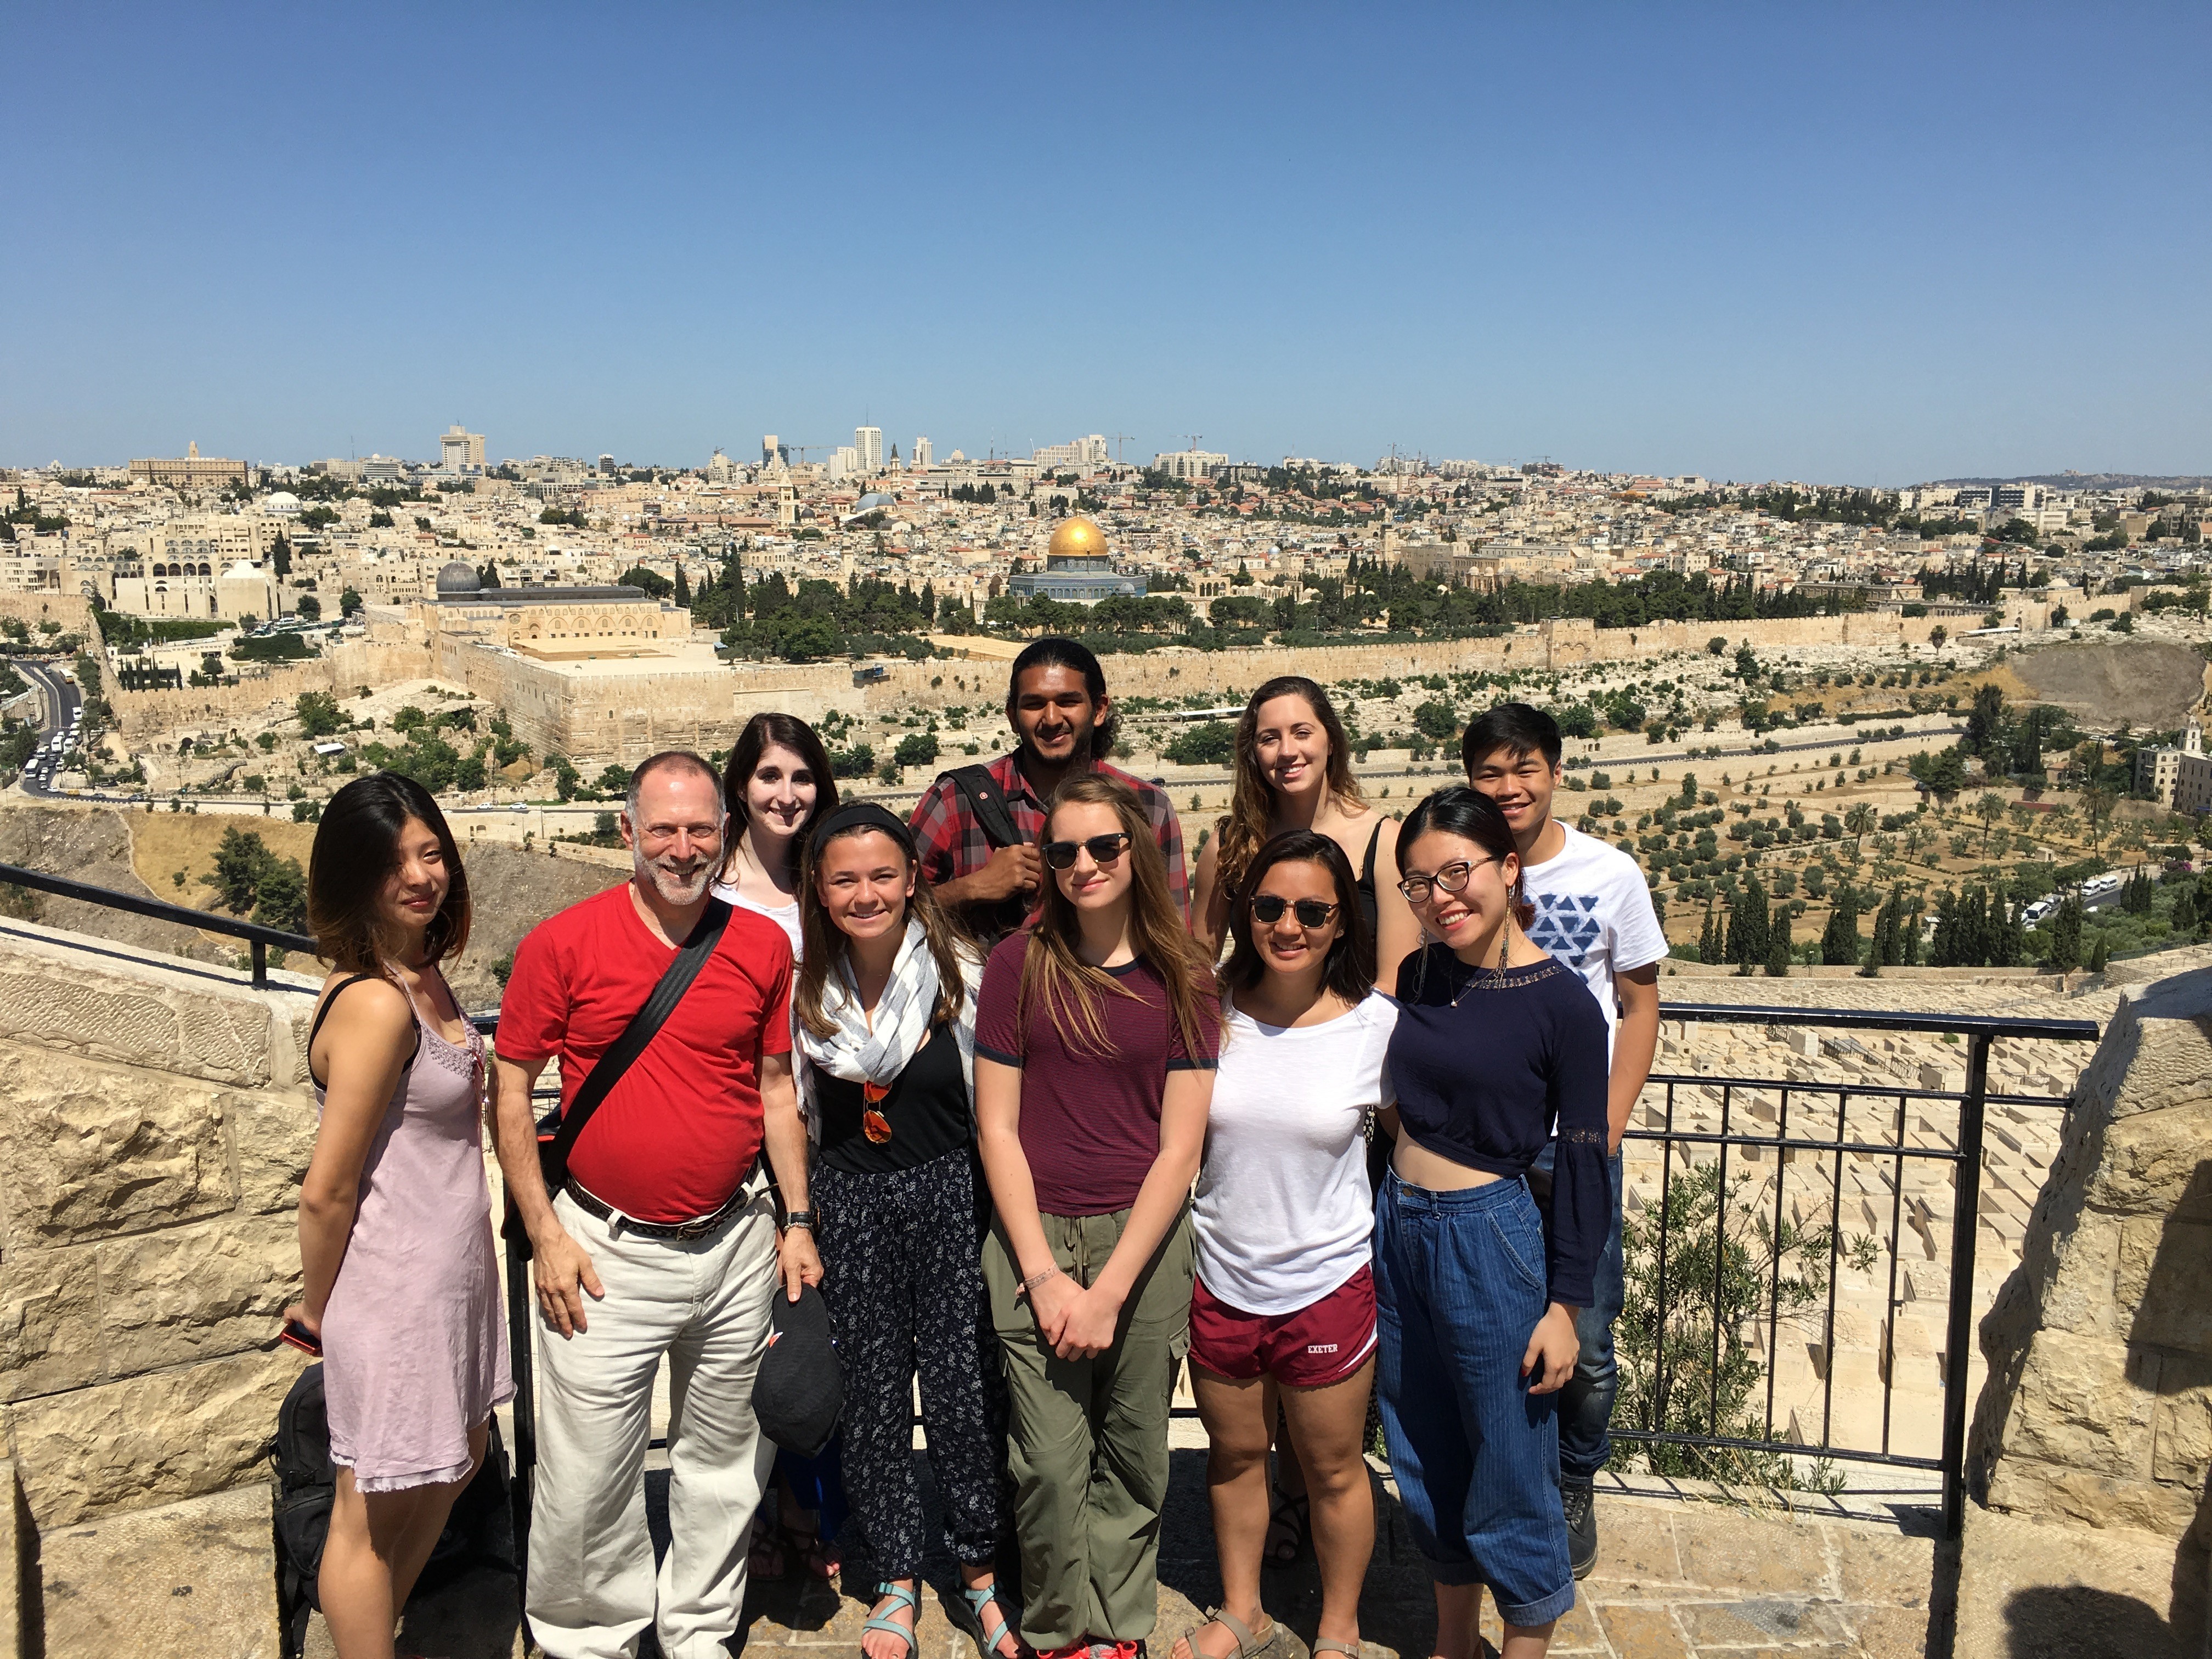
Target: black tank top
pixel 927 1112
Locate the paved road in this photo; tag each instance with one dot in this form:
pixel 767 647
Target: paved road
pixel 59 692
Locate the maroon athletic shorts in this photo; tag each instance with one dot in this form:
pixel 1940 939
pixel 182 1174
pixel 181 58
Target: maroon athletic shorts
pixel 1321 1343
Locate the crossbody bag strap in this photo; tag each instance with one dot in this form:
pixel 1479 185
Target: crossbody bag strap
pixel 644 1025
pixel 987 802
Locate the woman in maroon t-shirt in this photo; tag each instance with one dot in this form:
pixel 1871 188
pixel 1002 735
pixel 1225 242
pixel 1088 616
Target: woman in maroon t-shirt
pixel 1096 1031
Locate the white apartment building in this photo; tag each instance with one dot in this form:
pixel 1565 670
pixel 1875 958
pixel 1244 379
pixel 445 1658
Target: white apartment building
pixel 1082 455
pixel 925 452
pixel 844 463
pixel 1189 463
pixel 868 442
pixel 461 452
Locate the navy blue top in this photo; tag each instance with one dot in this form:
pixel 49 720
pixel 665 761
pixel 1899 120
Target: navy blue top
pixel 1484 1083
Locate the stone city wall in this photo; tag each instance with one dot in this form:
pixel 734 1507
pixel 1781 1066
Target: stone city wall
pixel 72 610
pixel 155 1133
pixel 2098 1409
pixel 342 671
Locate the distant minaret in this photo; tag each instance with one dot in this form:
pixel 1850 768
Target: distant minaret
pixel 2192 737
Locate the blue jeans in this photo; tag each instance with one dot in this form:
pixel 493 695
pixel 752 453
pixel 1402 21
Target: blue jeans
pixel 1586 1403
pixel 1459 1281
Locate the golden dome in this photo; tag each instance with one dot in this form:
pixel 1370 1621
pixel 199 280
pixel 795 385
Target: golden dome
pixel 1077 538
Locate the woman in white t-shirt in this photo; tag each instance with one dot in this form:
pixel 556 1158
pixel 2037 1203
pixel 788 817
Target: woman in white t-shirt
pixel 776 784
pixel 1284 1307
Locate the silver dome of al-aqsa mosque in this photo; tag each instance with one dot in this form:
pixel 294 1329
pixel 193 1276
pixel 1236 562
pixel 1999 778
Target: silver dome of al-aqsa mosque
pixel 458 578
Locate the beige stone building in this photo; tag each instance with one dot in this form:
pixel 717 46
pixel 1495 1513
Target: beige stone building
pixel 199 588
pixel 192 471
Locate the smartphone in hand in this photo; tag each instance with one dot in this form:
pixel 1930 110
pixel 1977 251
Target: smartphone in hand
pixel 301 1338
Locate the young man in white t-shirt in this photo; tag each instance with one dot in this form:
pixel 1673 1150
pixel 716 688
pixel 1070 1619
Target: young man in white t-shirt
pixel 1593 913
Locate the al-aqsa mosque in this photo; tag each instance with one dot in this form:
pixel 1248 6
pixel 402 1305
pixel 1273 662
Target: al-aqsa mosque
pixel 1078 569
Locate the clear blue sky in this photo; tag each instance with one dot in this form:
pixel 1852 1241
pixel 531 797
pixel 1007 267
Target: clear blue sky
pixel 1875 244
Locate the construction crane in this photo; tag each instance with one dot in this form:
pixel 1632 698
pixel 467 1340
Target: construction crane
pixel 1120 438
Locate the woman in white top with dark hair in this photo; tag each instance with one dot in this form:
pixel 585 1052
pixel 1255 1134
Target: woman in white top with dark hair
pixel 1283 1307
pixel 776 785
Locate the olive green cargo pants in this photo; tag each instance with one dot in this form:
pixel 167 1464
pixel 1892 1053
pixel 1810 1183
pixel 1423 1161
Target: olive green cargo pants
pixel 1088 1438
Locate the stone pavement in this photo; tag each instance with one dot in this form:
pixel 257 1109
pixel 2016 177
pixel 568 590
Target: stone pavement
pixel 1676 1579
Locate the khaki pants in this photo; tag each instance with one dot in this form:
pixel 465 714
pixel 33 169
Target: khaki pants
pixel 703 1303
pixel 1088 1438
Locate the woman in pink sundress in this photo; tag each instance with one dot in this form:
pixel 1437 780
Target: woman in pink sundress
pixel 395 1217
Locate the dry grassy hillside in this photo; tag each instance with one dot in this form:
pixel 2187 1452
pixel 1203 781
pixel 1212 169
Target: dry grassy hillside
pixel 165 854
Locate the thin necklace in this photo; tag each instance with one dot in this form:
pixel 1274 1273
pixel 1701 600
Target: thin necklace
pixel 1488 977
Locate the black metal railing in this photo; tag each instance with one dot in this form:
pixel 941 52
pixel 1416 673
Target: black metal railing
pixel 1679 1337
pixel 1654 1334
pixel 258 939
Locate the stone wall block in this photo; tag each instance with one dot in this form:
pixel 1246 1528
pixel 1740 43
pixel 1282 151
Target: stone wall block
pixel 2156 1053
pixel 2163 1285
pixel 188 1293
pixel 49 1322
pixel 152 1439
pixel 2082 1498
pixel 58 1001
pixel 2077 1404
pixel 275 1134
pixel 2150 1159
pixel 88 1150
pixel 2181 1424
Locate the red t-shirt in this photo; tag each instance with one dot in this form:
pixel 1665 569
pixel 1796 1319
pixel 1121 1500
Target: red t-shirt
pixel 1090 1124
pixel 680 1131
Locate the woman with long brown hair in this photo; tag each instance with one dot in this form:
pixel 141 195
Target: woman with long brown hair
pixel 400 1290
pixel 885 1007
pixel 1292 770
pixel 1096 1039
pixel 776 785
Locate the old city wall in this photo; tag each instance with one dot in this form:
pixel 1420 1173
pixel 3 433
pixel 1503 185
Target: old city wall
pixel 1563 643
pixel 155 1133
pixel 2098 1410
pixel 341 670
pixel 72 610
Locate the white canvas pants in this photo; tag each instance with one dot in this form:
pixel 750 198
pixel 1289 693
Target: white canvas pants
pixel 704 1303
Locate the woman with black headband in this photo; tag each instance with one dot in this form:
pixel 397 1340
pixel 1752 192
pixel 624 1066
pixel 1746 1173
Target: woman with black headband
pixel 884 1009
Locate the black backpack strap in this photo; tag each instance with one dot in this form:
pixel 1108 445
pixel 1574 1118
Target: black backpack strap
pixel 644 1025
pixel 1367 862
pixel 987 802
pixel 316 1024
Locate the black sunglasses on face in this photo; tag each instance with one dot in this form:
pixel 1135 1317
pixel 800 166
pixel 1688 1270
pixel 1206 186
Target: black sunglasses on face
pixel 1268 907
pixel 1103 849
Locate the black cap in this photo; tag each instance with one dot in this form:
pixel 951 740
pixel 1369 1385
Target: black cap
pixel 799 1392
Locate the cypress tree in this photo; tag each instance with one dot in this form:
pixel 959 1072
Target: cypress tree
pixel 1839 944
pixel 682 586
pixel 2098 956
pixel 1778 943
pixel 2066 937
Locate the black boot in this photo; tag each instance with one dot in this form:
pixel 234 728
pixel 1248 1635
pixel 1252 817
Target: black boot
pixel 1579 1499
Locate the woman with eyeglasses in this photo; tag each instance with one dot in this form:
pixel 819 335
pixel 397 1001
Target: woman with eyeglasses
pixel 1476 1289
pixel 884 1004
pixel 1283 1307
pixel 1096 1038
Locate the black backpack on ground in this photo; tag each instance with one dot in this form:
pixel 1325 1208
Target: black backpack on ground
pixel 479 1532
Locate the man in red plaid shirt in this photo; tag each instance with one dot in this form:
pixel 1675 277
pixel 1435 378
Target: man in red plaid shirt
pixel 1063 723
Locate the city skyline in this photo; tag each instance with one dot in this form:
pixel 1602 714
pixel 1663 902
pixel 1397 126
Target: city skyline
pixel 1883 249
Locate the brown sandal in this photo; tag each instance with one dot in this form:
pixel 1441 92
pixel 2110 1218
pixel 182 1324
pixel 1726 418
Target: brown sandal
pixel 1281 1642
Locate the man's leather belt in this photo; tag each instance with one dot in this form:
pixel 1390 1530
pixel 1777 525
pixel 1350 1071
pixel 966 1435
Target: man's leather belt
pixel 699 1227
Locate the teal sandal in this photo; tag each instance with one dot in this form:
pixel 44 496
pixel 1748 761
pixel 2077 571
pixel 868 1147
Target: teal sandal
pixel 907 1598
pixel 977 1600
